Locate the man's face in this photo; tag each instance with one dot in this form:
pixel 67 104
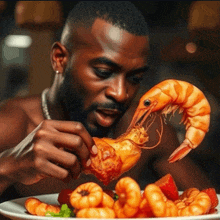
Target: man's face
pixel 103 75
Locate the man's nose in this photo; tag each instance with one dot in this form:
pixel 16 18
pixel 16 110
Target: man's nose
pixel 117 89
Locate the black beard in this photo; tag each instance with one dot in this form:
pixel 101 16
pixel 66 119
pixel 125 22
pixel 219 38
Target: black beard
pixel 72 102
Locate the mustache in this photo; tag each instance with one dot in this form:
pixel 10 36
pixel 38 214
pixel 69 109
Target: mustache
pixel 111 106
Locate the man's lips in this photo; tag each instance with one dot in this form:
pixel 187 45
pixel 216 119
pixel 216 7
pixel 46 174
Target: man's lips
pixel 106 117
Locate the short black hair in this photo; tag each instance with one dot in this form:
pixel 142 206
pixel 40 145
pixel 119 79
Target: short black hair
pixel 119 13
pixel 122 14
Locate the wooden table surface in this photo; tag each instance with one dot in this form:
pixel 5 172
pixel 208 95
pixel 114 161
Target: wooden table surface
pixel 3 217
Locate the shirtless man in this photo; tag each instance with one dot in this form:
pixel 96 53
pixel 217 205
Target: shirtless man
pixel 45 140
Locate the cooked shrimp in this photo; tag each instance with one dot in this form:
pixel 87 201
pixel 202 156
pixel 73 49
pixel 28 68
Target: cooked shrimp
pixel 158 202
pixel 86 195
pixel 107 201
pixel 169 96
pixel 193 202
pixel 144 209
pixel 104 212
pixel 36 207
pixel 129 198
pixel 90 201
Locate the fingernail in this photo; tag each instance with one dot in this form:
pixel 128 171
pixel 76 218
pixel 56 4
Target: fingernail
pixel 94 149
pixel 88 163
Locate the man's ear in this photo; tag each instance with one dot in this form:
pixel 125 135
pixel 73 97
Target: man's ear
pixel 59 57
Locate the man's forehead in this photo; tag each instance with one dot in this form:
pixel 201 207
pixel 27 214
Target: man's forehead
pixel 115 36
pixel 105 36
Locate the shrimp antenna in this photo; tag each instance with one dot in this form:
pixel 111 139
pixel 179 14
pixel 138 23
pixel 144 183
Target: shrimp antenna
pixel 159 133
pixel 150 122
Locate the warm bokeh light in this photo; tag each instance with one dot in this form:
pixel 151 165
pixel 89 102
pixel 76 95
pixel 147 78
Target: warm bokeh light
pixel 191 47
pixel 42 14
pixel 204 15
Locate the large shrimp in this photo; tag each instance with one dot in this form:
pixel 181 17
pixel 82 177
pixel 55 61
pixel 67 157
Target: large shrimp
pixel 170 95
pixel 158 202
pixel 193 202
pixel 129 194
pixel 116 156
pixel 36 207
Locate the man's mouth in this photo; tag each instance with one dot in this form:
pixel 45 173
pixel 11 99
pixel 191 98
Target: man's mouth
pixel 106 117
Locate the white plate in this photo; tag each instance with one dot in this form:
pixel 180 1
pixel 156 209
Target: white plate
pixel 15 210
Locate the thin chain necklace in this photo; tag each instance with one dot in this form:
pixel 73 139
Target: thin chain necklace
pixel 44 104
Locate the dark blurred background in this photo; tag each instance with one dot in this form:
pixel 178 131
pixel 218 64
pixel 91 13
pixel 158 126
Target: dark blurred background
pixel 175 31
pixel 184 37
pixel 168 23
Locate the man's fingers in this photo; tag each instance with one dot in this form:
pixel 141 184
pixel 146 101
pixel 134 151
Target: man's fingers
pixel 62 157
pixel 53 170
pixel 76 128
pixel 48 168
pixel 72 143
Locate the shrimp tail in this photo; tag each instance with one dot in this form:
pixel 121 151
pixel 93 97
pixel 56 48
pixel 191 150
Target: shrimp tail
pixel 180 152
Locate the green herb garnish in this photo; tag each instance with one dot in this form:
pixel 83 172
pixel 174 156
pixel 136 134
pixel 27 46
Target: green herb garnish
pixel 115 197
pixel 65 212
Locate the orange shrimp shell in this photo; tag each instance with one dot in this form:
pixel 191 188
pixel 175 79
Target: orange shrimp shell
pixel 193 202
pixel 104 212
pixel 158 202
pixel 36 207
pixel 129 194
pixel 86 195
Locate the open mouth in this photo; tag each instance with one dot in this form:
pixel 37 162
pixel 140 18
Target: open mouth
pixel 106 117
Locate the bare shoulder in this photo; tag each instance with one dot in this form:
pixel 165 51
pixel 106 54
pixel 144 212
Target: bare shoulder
pixel 18 117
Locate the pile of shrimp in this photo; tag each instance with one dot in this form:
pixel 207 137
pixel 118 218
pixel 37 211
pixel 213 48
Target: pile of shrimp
pixel 89 200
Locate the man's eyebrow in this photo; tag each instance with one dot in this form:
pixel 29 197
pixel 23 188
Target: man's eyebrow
pixel 140 70
pixel 105 60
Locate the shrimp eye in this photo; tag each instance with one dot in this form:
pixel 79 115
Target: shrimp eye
pixel 147 102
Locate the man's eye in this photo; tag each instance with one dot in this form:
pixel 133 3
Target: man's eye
pixel 104 73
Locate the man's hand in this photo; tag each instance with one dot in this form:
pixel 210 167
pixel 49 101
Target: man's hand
pixel 57 149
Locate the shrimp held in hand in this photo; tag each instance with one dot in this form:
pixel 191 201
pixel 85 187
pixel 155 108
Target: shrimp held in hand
pixel 116 156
